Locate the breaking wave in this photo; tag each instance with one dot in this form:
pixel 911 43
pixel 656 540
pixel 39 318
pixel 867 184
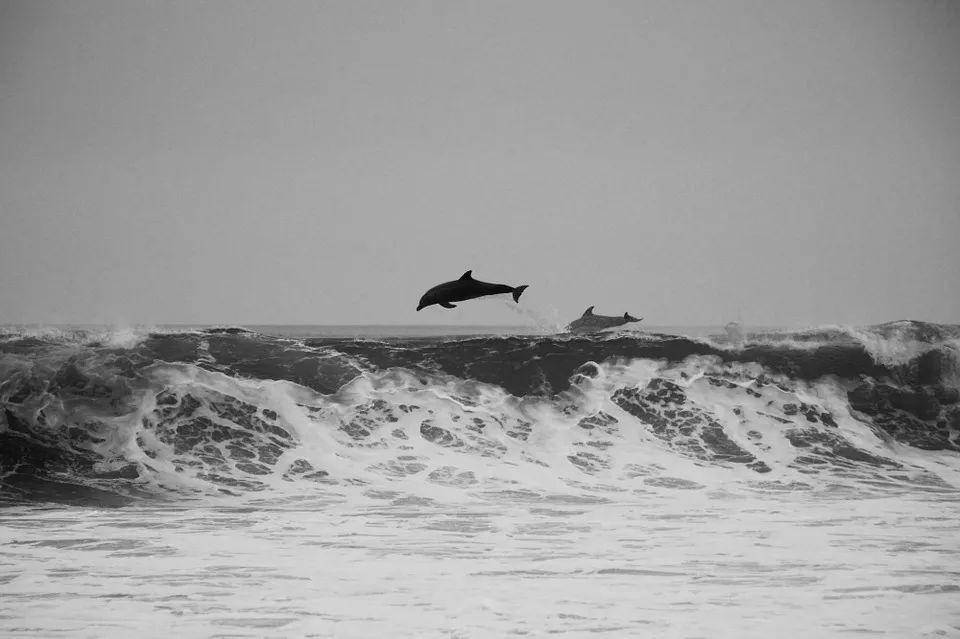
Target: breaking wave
pixel 103 418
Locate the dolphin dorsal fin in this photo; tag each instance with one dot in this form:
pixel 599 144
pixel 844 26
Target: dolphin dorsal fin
pixel 467 276
pixel 627 317
pixel 589 311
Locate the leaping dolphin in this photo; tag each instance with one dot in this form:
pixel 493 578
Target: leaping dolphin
pixel 465 288
pixel 590 323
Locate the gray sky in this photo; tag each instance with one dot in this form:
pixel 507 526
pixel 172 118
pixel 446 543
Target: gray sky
pixel 795 162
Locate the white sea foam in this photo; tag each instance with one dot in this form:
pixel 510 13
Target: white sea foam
pixel 411 431
pixel 671 562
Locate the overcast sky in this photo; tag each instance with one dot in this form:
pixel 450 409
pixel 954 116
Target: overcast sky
pixel 791 162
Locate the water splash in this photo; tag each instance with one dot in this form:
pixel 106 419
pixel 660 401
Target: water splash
pixel 547 321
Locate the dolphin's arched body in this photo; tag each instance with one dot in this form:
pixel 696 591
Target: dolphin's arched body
pixel 466 288
pixel 590 323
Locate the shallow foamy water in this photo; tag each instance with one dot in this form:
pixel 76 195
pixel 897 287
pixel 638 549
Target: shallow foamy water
pixel 666 562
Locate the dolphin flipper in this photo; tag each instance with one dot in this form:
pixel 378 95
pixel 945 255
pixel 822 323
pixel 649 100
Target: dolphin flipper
pixel 447 304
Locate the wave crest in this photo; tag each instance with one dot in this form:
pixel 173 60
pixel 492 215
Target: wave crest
pixel 206 412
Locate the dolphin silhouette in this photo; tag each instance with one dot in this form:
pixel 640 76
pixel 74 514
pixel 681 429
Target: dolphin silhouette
pixel 465 288
pixel 590 323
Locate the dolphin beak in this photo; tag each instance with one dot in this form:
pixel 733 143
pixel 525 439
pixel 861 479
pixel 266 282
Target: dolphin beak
pixel 419 306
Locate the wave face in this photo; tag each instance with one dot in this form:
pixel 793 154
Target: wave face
pixel 103 418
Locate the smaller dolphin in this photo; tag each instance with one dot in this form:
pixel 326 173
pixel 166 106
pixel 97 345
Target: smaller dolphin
pixel 465 288
pixel 590 323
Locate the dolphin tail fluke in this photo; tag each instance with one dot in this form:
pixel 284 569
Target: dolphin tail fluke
pixel 518 291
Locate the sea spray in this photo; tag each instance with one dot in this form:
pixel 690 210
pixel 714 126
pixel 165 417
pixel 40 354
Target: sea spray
pixel 546 320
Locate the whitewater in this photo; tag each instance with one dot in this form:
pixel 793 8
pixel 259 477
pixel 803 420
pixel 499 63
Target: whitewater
pixel 440 482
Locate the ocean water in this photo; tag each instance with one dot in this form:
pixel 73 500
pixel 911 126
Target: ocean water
pixel 480 482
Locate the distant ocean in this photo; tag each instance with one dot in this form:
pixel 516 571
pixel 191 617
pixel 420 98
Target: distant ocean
pixel 371 331
pixel 478 481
